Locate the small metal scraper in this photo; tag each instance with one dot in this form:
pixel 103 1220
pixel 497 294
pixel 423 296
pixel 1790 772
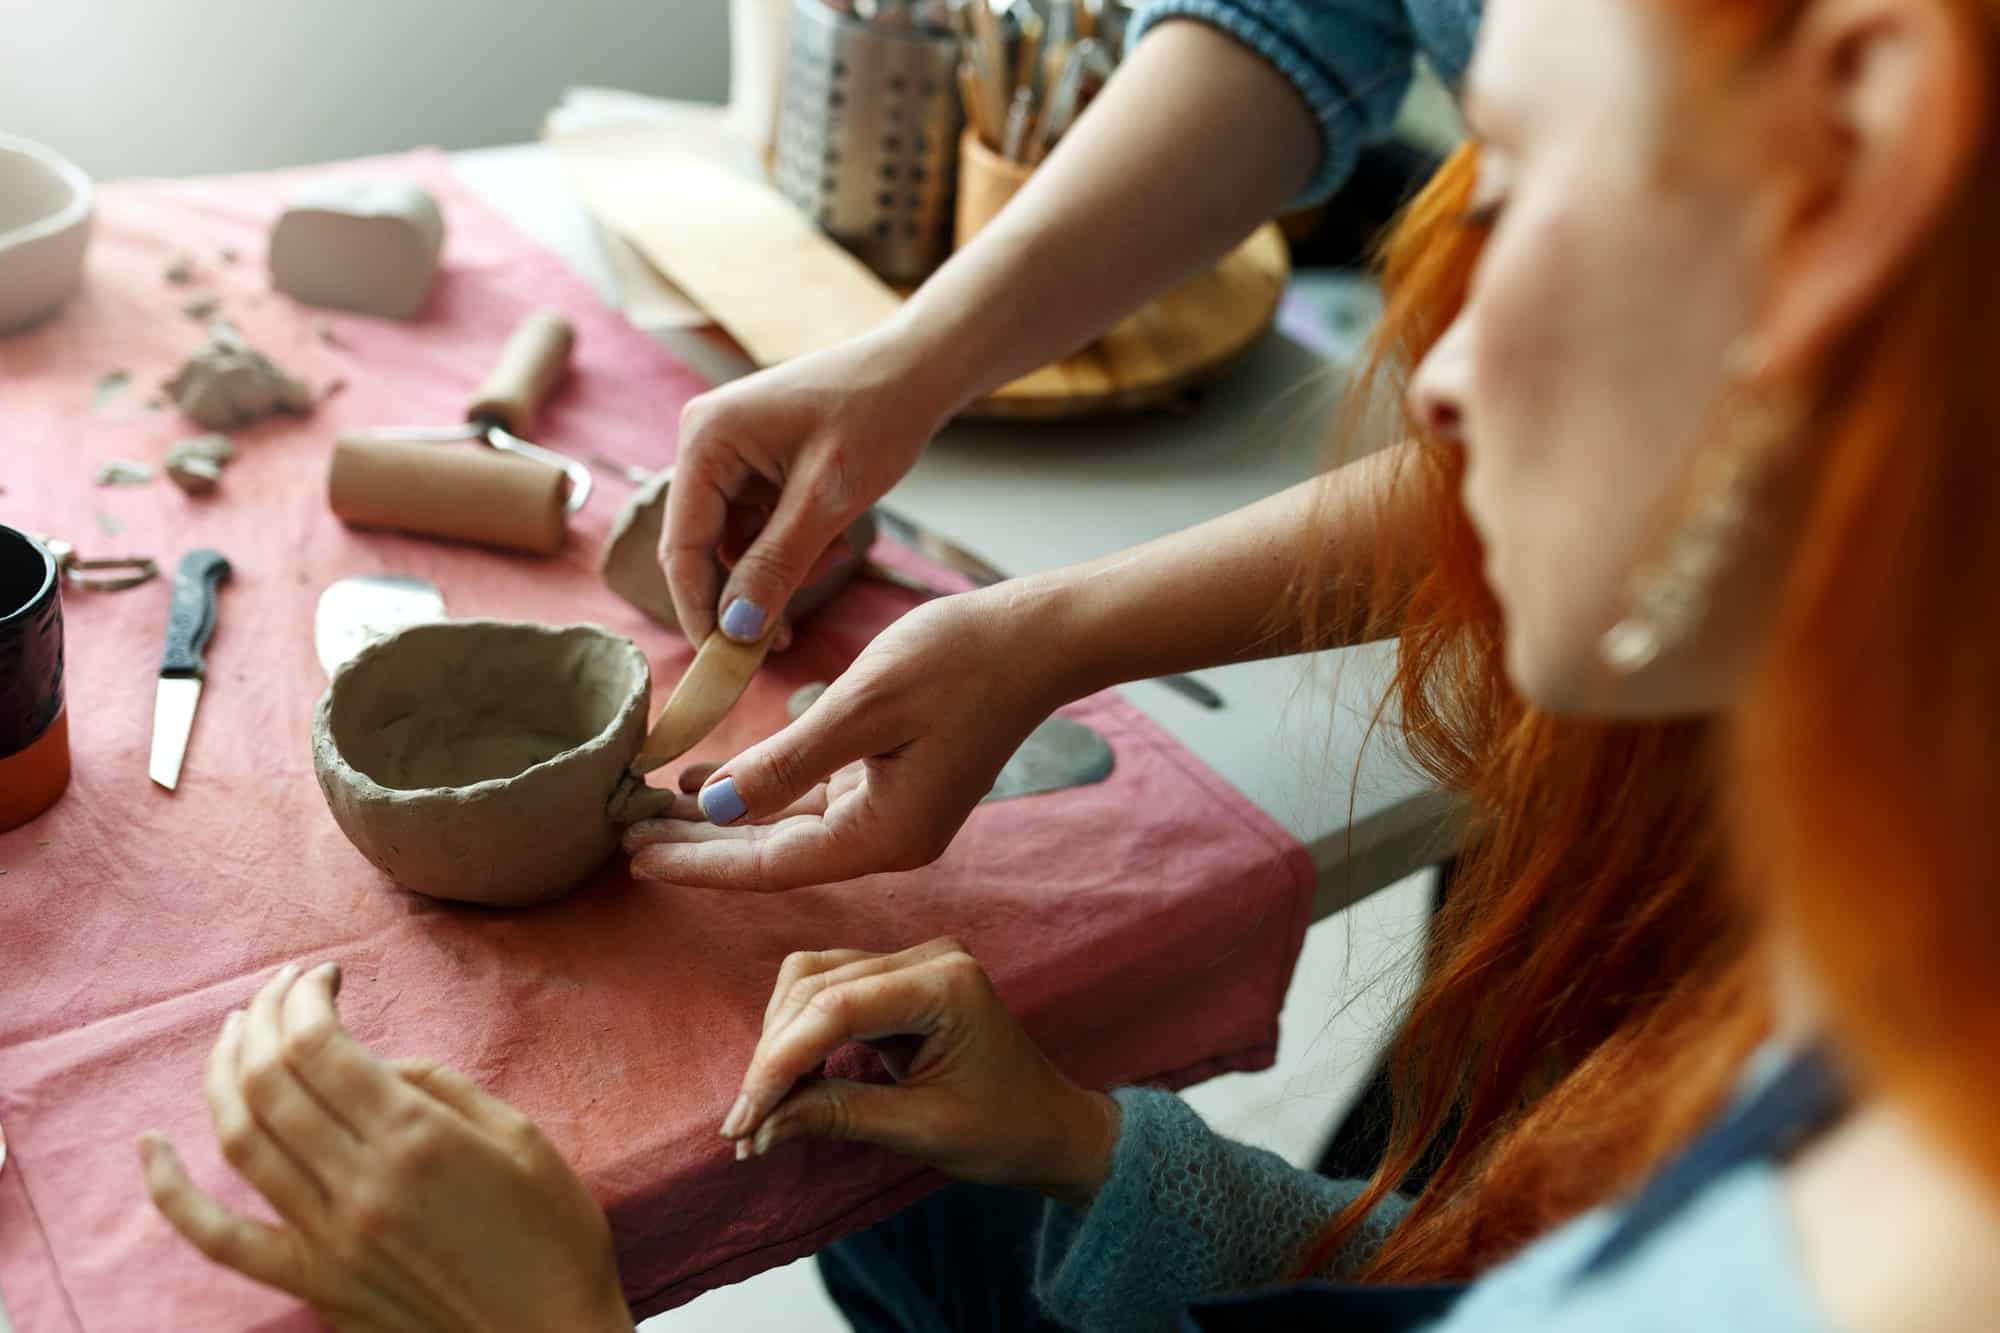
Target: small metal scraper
pixel 356 611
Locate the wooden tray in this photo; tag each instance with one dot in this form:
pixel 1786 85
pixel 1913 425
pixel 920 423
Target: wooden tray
pixel 779 287
pixel 1179 342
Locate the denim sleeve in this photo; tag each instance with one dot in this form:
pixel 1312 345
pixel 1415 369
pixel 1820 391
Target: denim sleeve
pixel 1186 1214
pixel 1351 60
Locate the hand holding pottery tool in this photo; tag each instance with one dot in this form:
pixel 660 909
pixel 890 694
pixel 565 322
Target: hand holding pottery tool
pixel 630 560
pixel 494 761
pixel 886 767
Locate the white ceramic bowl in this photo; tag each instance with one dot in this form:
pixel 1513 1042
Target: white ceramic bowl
pixel 44 228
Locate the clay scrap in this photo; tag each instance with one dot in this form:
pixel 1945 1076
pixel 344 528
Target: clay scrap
pixel 179 270
pixel 195 465
pixel 118 472
pixel 367 246
pixel 228 384
pixel 201 307
pixel 109 385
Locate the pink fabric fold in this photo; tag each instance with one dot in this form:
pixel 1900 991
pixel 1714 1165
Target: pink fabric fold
pixel 1144 928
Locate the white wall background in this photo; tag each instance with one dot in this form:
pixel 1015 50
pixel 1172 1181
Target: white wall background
pixel 178 87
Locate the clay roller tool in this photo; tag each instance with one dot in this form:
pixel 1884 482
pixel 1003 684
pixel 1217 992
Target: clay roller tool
pixel 514 494
pixel 721 671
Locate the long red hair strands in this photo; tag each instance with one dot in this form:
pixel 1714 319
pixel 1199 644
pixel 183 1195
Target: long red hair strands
pixel 1588 990
pixel 1866 761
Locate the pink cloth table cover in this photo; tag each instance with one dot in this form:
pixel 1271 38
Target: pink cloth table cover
pixel 1145 928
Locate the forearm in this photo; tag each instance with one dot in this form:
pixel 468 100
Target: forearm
pixel 1228 590
pixel 1152 185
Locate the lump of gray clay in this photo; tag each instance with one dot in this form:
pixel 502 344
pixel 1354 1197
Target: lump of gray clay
pixel 367 246
pixel 630 560
pixel 485 760
pixel 227 384
pixel 195 465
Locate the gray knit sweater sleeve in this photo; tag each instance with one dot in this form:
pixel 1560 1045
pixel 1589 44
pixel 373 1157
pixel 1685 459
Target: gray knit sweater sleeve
pixel 1186 1214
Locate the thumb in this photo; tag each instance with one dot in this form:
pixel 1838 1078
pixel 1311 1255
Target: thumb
pixel 849 1112
pixel 811 515
pixel 769 776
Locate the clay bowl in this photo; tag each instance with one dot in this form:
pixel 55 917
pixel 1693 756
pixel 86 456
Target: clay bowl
pixel 485 760
pixel 44 229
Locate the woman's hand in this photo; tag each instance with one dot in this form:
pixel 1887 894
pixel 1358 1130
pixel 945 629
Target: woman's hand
pixel 974 1095
pixel 883 769
pixel 773 468
pixel 410 1199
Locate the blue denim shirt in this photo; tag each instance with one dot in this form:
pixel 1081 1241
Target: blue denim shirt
pixel 1351 60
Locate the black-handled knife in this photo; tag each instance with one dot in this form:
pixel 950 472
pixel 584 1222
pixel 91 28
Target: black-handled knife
pixel 190 624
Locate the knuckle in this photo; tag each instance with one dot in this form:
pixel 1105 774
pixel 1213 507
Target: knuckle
pixel 786 770
pixel 833 1003
pixel 697 417
pixel 962 974
pixel 307 1042
pixel 264 1079
pixel 833 487
pixel 238 1141
pixel 371 1213
pixel 835 1118
pixel 417 1150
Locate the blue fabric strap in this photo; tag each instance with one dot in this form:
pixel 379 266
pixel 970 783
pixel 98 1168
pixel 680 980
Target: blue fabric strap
pixel 1806 1096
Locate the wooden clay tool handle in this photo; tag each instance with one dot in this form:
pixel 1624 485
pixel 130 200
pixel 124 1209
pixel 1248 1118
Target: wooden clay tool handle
pixel 533 360
pixel 714 682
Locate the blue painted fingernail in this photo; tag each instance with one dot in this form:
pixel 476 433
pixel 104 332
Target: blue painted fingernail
pixel 720 804
pixel 743 620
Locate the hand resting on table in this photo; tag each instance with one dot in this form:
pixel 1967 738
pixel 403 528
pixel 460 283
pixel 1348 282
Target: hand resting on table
pixel 409 1198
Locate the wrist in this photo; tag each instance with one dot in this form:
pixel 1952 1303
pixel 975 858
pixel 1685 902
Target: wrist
pixel 1041 622
pixel 1091 1144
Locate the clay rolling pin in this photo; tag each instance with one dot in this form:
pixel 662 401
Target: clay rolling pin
pixel 515 495
pixel 721 671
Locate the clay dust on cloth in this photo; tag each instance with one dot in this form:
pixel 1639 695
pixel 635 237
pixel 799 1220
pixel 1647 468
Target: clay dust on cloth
pixel 1144 927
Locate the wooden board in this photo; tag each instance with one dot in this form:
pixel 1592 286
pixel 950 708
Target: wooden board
pixel 1177 343
pixel 779 287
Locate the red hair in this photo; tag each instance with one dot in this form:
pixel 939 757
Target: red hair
pixel 1585 996
pixel 1593 988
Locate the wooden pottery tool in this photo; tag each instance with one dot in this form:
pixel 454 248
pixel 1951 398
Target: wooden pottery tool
pixel 716 679
pixel 501 413
pixel 357 611
pixel 190 623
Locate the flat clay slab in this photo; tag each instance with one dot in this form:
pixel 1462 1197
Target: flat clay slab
pixel 630 560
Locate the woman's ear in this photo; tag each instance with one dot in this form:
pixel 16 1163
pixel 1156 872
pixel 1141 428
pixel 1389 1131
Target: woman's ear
pixel 1884 109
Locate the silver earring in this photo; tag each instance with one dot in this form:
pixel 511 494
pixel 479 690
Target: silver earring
pixel 1667 595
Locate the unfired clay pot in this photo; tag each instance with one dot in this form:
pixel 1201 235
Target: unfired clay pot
pixel 485 760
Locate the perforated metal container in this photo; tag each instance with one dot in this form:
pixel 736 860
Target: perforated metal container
pixel 868 137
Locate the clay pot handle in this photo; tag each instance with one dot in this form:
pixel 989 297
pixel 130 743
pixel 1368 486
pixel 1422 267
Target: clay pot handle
pixel 633 801
pixel 533 360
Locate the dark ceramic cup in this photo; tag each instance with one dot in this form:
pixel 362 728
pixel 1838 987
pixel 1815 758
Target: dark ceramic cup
pixel 34 729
